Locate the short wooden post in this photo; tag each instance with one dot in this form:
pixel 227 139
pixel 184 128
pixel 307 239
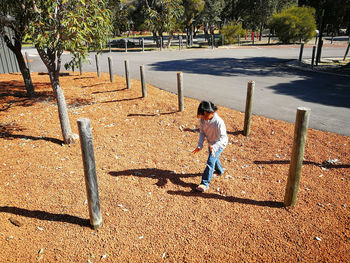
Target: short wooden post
pixel 28 62
pixel 110 66
pixel 186 40
pixel 239 40
pixel 296 162
pixel 313 57
pixel 180 42
pixel 143 81
pixel 212 41
pixel 301 52
pixel 143 44
pixel 127 75
pixel 248 108
pixel 88 155
pixel 222 40
pixel 109 44
pixel 97 65
pixel 180 90
pixel 160 43
pixel 126 45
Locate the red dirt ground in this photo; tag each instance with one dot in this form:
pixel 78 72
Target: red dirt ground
pixel 147 175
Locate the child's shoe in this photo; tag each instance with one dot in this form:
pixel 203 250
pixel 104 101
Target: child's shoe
pixel 202 188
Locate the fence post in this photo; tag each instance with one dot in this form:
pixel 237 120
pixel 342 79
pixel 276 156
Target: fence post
pixel 313 56
pixel 143 44
pixel 180 42
pixel 28 62
pixel 248 108
pixel 110 48
pixel 239 39
pixel 296 162
pixel 301 52
pixel 160 43
pixel 222 40
pixel 212 41
pixel 143 81
pixel 97 66
pixel 88 155
pixel 110 66
pixel 126 45
pixel 180 90
pixel 127 75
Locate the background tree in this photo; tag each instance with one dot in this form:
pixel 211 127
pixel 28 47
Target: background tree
pixel 293 24
pixel 120 16
pixel 16 16
pixel 164 16
pixel 192 9
pixel 210 17
pixel 73 25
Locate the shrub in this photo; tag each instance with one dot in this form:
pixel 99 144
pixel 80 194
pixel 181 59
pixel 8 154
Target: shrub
pixel 294 24
pixel 231 32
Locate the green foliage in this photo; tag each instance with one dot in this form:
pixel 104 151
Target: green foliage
pixel 231 32
pixel 164 16
pixel 73 25
pixel 294 24
pixel 192 9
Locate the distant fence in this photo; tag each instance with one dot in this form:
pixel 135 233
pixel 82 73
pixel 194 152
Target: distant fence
pixel 8 61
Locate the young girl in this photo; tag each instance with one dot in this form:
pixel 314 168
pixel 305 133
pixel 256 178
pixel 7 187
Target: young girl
pixel 213 128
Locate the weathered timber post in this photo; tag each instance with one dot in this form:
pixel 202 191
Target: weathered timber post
pixel 97 66
pixel 313 57
pixel 222 40
pixel 180 90
pixel 160 43
pixel 248 108
pixel 212 41
pixel 127 75
pixel 143 44
pixel 296 162
pixel 88 155
pixel 109 44
pixel 28 62
pixel 180 42
pixel 143 82
pixel 301 52
pixel 126 45
pixel 239 39
pixel 110 66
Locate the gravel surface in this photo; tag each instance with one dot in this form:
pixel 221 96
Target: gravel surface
pixel 147 178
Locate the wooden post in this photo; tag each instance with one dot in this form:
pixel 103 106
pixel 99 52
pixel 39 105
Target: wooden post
pixel 239 39
pixel 28 62
pixel 161 43
pixel 127 75
pixel 111 77
pixel 110 48
pixel 313 57
pixel 88 155
pixel 143 44
pixel 296 162
pixel 212 41
pixel 222 40
pixel 97 66
pixel 143 81
pixel 248 108
pixel 180 90
pixel 301 52
pixel 126 45
pixel 180 42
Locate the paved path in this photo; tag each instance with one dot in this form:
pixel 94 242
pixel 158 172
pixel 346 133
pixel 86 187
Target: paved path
pixel 221 75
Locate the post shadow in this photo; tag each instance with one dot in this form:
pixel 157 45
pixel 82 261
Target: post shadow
pixel 42 215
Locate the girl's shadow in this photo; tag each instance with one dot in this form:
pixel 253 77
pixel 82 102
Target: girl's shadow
pixel 162 176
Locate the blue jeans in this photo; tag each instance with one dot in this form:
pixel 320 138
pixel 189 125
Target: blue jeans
pixel 213 165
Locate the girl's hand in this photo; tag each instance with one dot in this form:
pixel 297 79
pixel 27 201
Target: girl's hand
pixel 196 150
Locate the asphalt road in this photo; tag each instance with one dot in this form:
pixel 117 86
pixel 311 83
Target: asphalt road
pixel 221 75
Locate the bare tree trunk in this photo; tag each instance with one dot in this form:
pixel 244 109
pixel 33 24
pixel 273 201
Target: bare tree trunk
pixel 170 39
pixel 53 66
pixel 16 49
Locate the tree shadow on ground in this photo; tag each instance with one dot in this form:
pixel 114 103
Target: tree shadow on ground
pixel 165 176
pixel 151 114
pixel 7 132
pixel 326 89
pixel 13 93
pixel 324 164
pixel 42 215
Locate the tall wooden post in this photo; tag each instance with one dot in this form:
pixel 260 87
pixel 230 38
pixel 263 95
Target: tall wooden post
pixel 180 90
pixel 296 162
pixel 110 66
pixel 127 75
pixel 88 155
pixel 301 52
pixel 143 81
pixel 248 108
pixel 97 66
